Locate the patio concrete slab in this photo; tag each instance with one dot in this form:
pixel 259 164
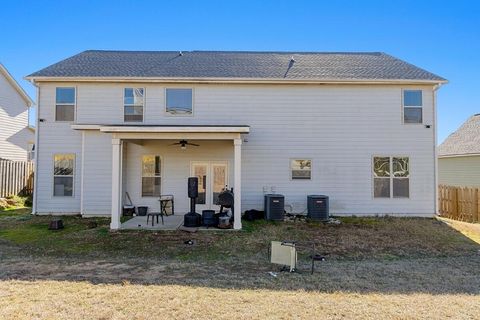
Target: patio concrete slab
pixel 140 223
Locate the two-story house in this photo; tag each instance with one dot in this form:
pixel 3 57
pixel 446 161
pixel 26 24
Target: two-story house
pixel 358 127
pixel 16 136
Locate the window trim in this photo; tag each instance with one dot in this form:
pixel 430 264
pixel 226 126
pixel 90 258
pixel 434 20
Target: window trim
pixel 391 177
pixel 291 169
pixel 403 106
pixel 143 105
pixel 73 176
pixel 67 104
pixel 169 114
pixel 141 174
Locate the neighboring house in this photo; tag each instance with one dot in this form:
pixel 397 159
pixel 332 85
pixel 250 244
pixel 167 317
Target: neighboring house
pixel 358 127
pixel 459 156
pixel 16 136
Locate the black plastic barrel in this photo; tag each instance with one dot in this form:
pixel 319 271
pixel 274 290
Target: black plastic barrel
pixel 208 218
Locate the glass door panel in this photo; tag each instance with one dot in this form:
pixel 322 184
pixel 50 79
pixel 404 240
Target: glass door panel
pixel 200 171
pixel 219 172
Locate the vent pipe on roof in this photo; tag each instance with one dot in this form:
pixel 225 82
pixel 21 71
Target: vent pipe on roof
pixel 292 59
pixel 180 53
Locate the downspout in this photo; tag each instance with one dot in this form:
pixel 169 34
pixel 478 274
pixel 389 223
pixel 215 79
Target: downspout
pixel 435 152
pixel 37 134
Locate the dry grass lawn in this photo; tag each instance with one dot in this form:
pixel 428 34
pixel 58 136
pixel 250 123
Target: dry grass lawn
pixel 82 300
pixel 380 268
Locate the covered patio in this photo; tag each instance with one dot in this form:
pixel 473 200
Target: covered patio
pixel 143 136
pixel 171 222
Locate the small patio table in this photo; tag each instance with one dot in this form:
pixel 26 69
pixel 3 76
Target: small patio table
pixel 153 215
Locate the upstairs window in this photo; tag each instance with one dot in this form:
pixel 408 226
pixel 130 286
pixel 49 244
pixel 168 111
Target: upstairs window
pixel 412 106
pixel 63 174
pixel 301 169
pixel 133 101
pixel 151 176
pixel 179 101
pixel 65 104
pixel 391 177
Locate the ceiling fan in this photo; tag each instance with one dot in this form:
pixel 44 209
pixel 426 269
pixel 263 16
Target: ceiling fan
pixel 183 144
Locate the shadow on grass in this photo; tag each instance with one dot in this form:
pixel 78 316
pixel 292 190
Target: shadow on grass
pixel 383 255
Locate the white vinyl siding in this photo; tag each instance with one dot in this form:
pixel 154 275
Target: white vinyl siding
pixel 14 132
pixel 461 171
pixel 339 127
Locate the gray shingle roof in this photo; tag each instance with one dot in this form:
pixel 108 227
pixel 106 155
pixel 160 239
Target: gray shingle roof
pixel 464 141
pixel 237 65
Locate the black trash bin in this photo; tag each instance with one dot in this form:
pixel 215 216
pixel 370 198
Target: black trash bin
pixel 142 210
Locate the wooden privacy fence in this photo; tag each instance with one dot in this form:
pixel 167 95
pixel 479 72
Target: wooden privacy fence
pixel 459 203
pixel 16 178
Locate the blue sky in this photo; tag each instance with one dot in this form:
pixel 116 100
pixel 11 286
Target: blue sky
pixel 440 36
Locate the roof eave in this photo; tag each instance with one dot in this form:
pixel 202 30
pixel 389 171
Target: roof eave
pixel 233 80
pixel 473 154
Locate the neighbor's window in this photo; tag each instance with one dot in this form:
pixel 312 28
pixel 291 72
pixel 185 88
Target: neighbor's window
pixel 301 169
pixel 412 106
pixel 391 177
pixel 31 151
pixel 133 100
pixel 63 174
pixel 179 101
pixel 65 104
pixel 151 176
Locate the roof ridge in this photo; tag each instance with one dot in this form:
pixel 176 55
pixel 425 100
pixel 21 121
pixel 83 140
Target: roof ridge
pixel 240 51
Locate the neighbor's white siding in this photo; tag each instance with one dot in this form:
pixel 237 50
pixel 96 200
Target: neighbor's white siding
pixel 14 132
pixel 459 171
pixel 339 127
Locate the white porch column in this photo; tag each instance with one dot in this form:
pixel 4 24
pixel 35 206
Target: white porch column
pixel 116 183
pixel 237 187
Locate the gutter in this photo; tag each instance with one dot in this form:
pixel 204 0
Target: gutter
pixel 435 148
pixel 234 80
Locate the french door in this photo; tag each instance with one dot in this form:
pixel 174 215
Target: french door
pixel 212 178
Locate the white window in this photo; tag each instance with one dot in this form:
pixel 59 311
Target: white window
pixel 301 169
pixel 179 101
pixel 63 175
pixel 133 100
pixel 412 106
pixel 391 177
pixel 65 104
pixel 30 151
pixel 151 176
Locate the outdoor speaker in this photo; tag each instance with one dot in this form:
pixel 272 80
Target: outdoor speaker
pixel 193 187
